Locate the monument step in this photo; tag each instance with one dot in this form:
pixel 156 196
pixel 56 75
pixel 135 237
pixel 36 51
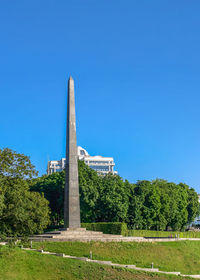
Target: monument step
pixel 74 229
pixel 75 233
pixel 78 236
pixel 69 236
pixel 66 230
pixel 112 235
pixel 103 239
pixel 72 237
pixel 80 232
pixel 52 232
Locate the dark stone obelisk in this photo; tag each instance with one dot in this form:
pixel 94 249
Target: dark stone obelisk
pixel 71 201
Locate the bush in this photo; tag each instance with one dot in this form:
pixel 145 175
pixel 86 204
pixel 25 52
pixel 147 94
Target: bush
pixel 109 228
pixel 151 233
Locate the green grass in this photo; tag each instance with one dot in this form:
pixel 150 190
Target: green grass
pixel 153 233
pixel 183 256
pixel 17 264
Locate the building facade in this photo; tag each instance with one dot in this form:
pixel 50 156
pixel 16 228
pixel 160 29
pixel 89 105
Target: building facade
pixel 103 165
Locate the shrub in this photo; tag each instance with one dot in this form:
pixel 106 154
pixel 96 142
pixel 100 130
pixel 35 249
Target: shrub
pixel 109 228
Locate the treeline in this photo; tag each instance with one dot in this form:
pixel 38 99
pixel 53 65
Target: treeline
pixel 28 205
pixel 155 205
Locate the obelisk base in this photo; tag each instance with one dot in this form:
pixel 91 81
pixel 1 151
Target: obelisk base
pixel 76 234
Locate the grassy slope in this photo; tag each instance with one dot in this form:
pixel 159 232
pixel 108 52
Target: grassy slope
pixel 16 264
pixel 183 256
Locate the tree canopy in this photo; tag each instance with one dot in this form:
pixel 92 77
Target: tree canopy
pixel 25 199
pixel 22 212
pixel 156 204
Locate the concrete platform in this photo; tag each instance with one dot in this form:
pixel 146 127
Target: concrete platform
pixel 83 235
pixel 76 234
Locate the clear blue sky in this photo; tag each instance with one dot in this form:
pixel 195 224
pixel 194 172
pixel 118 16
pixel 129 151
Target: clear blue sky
pixel 136 66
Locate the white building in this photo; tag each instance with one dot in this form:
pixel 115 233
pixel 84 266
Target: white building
pixel 103 165
pixel 55 166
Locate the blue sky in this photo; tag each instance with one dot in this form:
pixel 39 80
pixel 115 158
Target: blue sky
pixel 136 66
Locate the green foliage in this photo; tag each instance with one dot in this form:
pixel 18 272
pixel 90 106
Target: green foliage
pixel 21 212
pixel 24 212
pixel 193 204
pixel 53 189
pixel 151 233
pixel 15 165
pixel 110 228
pixel 162 205
pixel 113 200
pixel 155 205
pixel 89 184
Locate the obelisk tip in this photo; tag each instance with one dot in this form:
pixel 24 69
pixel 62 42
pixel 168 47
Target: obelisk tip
pixel 70 78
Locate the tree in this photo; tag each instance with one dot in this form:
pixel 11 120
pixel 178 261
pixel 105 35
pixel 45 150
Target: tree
pixel 134 215
pixel 192 205
pixel 113 200
pixel 145 206
pixel 89 185
pixel 15 165
pixel 159 204
pixel 52 187
pixel 21 211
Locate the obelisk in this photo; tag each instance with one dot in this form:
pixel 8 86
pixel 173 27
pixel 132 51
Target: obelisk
pixel 71 200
